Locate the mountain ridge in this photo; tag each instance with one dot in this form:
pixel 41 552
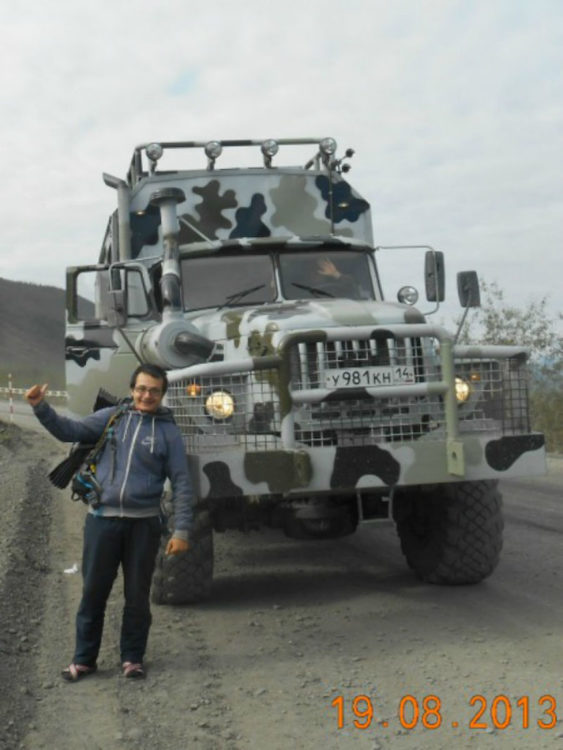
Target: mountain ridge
pixel 32 332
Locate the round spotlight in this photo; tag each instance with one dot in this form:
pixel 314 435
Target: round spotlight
pixel 220 405
pixel 154 151
pixel 213 149
pixel 462 390
pixel 270 147
pixel 328 146
pixel 408 295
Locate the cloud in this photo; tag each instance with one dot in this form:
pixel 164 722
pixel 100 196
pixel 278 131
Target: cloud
pixel 184 83
pixel 454 110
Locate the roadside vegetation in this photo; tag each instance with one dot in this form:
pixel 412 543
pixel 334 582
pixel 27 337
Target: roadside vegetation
pixel 496 322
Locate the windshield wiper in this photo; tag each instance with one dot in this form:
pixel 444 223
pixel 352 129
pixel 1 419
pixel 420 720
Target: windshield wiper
pixel 312 289
pixel 234 298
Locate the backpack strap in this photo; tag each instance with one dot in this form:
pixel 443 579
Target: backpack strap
pixel 96 450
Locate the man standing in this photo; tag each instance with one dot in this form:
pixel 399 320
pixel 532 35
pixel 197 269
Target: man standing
pixel 141 448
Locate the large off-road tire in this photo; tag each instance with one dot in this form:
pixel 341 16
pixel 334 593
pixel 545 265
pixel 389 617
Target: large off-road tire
pixel 186 578
pixel 451 533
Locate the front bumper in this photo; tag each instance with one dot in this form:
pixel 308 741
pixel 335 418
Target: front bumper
pixel 345 470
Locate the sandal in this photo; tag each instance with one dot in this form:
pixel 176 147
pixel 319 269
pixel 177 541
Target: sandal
pixel 75 672
pixel 133 670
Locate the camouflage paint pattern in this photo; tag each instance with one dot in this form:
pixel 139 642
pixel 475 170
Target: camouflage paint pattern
pixel 259 204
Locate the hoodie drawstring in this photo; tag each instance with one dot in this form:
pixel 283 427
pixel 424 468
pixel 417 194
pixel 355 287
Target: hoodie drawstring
pixel 127 426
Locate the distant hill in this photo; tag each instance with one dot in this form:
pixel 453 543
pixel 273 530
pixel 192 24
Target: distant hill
pixel 32 325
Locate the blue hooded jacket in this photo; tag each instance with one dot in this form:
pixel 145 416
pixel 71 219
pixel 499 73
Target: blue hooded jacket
pixel 141 451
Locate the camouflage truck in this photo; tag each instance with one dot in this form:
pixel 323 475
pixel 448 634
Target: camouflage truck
pixel 307 402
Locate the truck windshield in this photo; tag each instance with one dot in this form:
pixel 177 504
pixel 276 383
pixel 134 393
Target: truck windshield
pixel 324 274
pixel 226 281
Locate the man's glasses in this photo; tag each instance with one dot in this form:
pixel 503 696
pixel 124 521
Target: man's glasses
pixel 142 389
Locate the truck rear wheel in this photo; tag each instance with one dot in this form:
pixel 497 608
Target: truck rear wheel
pixel 186 578
pixel 451 533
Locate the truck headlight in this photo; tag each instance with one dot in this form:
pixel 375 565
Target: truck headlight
pixel 462 390
pixel 220 405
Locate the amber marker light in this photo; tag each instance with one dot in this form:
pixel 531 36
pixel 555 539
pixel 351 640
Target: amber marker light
pixel 193 390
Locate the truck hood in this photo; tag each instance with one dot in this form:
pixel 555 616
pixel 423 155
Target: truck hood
pixel 301 315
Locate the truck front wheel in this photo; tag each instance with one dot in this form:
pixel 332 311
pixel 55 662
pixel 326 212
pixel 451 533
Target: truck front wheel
pixel 450 533
pixel 186 578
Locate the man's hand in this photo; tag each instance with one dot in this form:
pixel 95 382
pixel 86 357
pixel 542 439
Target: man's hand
pixel 36 394
pixel 176 546
pixel 327 268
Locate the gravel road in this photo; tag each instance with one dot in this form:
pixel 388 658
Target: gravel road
pixel 294 632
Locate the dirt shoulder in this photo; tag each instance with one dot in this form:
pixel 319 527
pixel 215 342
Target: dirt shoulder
pixel 26 503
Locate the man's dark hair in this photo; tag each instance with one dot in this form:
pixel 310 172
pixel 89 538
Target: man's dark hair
pixel 154 371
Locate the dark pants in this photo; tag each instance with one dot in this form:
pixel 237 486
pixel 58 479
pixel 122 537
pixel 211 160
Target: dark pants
pixel 109 542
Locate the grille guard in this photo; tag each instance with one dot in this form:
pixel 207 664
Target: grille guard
pixel 439 360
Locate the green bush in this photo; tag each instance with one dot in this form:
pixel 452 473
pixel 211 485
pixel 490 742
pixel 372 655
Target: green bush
pixel 495 322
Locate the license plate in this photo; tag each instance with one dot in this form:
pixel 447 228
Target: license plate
pixel 364 377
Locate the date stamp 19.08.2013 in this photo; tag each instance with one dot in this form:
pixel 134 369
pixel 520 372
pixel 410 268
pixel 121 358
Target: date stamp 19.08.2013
pixel 430 712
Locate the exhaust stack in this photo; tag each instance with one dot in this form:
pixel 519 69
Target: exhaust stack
pixel 170 283
pixel 174 342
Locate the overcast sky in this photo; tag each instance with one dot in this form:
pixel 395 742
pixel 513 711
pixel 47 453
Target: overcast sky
pixel 454 108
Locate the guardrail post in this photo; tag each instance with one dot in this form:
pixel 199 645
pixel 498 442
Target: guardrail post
pixel 10 398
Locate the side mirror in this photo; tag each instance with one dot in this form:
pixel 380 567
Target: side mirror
pixel 468 289
pixel 116 300
pixel 434 276
pixel 117 308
